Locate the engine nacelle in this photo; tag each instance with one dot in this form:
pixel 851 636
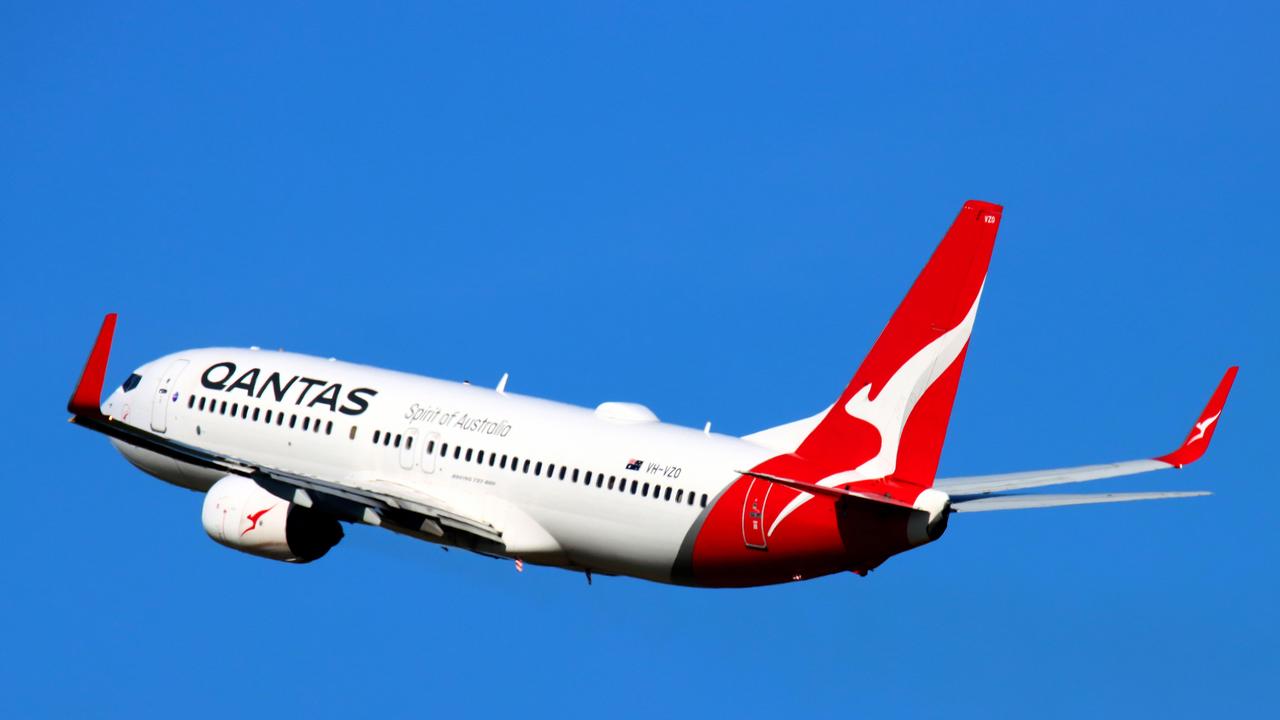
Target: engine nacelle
pixel 240 514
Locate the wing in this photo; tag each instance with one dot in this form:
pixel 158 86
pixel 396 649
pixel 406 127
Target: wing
pixel 371 501
pixel 1039 500
pixel 963 489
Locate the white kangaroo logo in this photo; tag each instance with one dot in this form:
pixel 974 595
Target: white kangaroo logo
pixel 1203 427
pixel 889 411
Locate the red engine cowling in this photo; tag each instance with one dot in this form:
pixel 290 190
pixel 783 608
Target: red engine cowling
pixel 240 514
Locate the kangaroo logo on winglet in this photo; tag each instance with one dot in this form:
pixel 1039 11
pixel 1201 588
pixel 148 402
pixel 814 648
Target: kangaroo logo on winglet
pixel 1203 427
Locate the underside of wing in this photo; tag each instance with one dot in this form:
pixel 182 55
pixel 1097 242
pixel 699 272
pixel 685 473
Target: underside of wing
pixel 1027 501
pixel 400 509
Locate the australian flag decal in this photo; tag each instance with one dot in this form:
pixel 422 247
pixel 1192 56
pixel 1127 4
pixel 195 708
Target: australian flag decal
pixel 634 464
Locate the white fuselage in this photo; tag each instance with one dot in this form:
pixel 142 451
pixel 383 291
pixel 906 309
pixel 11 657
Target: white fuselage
pixel 518 463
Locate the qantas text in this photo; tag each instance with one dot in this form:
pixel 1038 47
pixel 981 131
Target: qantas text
pixel 255 384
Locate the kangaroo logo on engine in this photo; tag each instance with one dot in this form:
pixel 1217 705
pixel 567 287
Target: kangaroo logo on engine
pixel 252 382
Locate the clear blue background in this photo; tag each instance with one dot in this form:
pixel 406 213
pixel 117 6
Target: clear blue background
pixel 711 211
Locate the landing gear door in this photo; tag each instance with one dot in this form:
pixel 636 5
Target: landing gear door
pixel 166 394
pixel 753 530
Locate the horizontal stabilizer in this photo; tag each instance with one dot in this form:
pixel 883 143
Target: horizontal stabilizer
pixel 831 493
pixel 1024 502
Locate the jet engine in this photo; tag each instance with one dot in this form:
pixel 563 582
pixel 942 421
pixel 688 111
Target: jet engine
pixel 240 514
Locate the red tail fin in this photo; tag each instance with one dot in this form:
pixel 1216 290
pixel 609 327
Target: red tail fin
pixel 892 417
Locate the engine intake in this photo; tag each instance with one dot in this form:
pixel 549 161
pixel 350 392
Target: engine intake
pixel 240 514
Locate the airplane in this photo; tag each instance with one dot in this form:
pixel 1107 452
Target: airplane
pixel 288 447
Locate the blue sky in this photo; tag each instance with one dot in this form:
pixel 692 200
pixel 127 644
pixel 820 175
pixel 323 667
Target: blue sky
pixel 709 210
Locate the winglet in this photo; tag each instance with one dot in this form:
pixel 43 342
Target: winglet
pixel 87 397
pixel 1197 441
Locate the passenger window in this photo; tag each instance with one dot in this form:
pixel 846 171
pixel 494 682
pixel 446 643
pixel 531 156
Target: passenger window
pixel 235 408
pixel 244 412
pixel 634 486
pixel 538 470
pixel 431 446
pixel 268 418
pixel 328 428
pixel 351 435
pixel 397 440
pixel 691 498
pixel 444 449
pixel 704 499
pixel 468 454
pixel 457 452
pixel 201 404
pixel 293 421
pixel 480 457
pixel 493 459
pixel 386 439
pixel 562 469
pixel 191 401
pixel 644 491
pixel 222 408
pixel 680 495
pixel 502 464
pixel 575 476
pixel 255 414
pixel 526 466
pixel 408 442
pixel 667 494
pixel 306 423
pixel 377 434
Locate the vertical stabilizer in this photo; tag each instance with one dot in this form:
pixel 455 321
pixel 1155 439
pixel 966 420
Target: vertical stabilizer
pixel 892 417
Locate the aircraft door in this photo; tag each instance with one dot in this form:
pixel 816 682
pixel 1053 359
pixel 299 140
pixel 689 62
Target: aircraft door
pixel 429 449
pixel 753 530
pixel 409 449
pixel 166 394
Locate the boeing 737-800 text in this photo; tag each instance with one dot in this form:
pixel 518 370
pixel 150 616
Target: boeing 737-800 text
pixel 287 447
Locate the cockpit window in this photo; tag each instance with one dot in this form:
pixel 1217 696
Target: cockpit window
pixel 131 382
